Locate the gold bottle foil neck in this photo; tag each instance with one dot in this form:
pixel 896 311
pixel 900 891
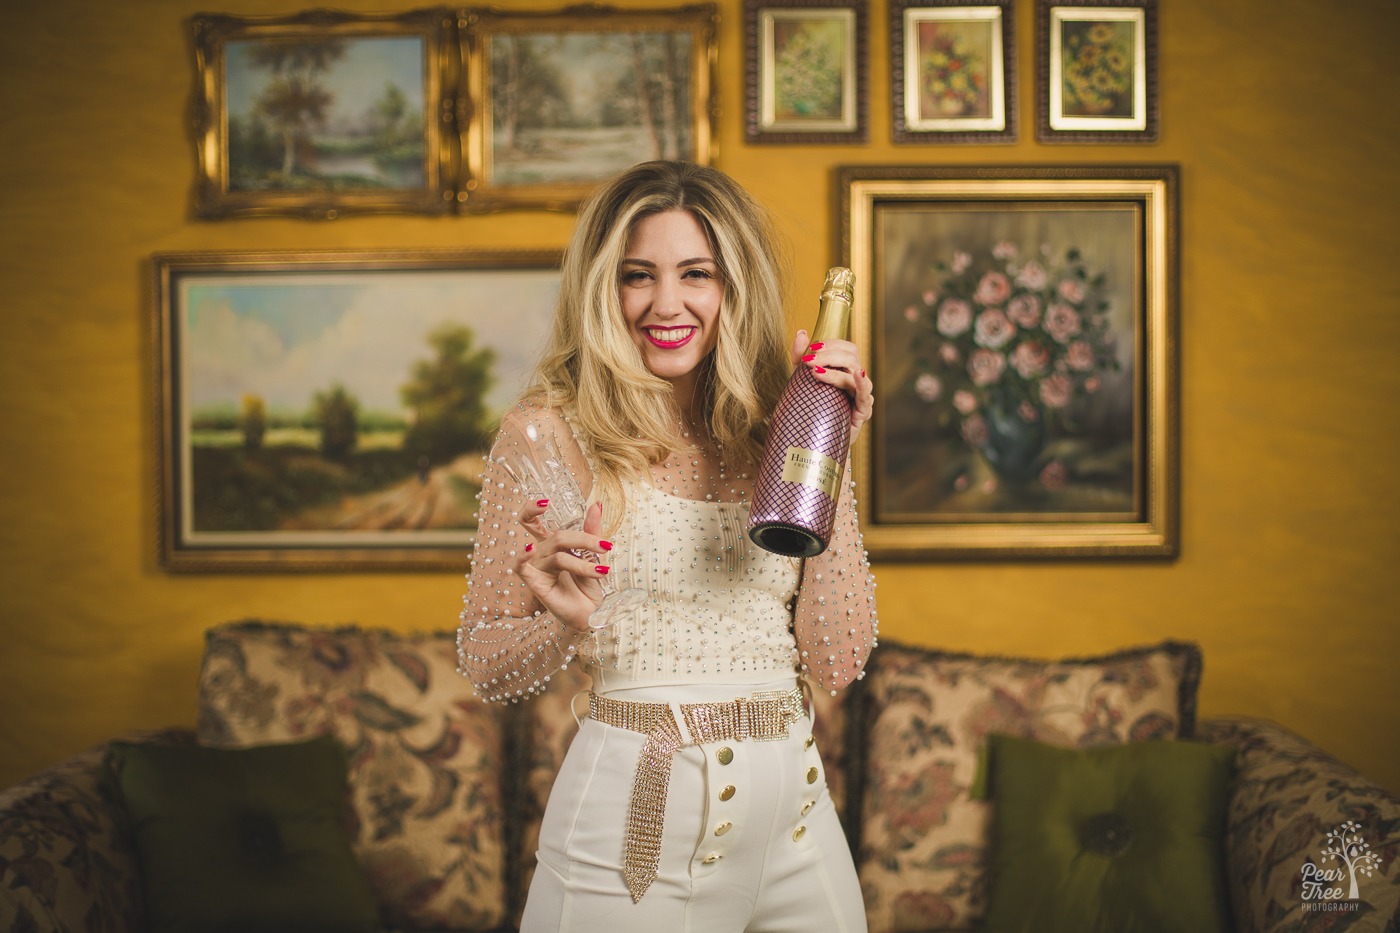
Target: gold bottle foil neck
pixel 834 318
pixel 840 284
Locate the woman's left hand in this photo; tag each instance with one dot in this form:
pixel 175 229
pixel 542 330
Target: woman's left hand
pixel 837 362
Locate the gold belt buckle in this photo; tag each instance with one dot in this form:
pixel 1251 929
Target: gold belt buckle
pixel 786 708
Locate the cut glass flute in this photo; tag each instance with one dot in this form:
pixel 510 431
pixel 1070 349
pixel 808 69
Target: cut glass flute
pixel 542 473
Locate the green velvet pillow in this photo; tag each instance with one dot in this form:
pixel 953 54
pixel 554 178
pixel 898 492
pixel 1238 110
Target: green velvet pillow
pixel 1115 839
pixel 244 839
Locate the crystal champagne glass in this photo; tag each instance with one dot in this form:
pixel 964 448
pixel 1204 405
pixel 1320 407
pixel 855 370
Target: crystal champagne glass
pixel 541 473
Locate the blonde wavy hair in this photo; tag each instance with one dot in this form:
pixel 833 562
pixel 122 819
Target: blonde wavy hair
pixel 590 367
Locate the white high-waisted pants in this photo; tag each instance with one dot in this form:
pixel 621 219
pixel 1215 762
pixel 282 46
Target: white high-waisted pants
pixel 770 858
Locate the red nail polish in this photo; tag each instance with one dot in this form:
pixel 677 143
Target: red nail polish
pixel 529 548
pixel 816 346
pixel 605 545
pixel 602 569
pixel 862 374
pixel 542 502
pixel 819 369
pixel 808 358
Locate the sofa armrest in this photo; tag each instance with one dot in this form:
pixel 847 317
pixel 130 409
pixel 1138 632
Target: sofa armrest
pixel 1287 795
pixel 67 862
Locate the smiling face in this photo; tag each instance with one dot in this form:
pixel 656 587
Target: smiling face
pixel 671 291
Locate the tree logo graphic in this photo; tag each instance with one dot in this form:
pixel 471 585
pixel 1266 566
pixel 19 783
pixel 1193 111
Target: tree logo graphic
pixel 1347 846
pixel 1322 886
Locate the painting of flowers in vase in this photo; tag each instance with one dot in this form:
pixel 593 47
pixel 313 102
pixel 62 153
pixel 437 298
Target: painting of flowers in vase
pixel 953 72
pixel 1011 347
pixel 953 68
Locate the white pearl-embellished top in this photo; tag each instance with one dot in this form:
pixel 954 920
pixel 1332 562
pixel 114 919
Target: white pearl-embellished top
pixel 717 608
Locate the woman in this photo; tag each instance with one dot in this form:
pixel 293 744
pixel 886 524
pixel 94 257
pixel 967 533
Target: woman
pixel 692 797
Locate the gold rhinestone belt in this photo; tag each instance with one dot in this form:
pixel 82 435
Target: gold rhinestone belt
pixel 764 717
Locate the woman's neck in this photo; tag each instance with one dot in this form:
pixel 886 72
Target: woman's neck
pixel 683 393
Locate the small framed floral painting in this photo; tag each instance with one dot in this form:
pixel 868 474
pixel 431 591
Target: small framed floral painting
pixel 1096 72
pixel 563 100
pixel 1021 326
pixel 330 411
pixel 952 71
pixel 325 113
pixel 805 71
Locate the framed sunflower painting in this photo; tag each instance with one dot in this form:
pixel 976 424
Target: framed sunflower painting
pixel 1096 72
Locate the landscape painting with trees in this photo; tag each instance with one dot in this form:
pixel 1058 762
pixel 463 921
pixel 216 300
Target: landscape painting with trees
pixel 325 112
pixel 580 106
pixel 322 409
pixel 569 99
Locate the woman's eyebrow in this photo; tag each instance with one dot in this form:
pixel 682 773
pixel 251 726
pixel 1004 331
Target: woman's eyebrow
pixel 698 260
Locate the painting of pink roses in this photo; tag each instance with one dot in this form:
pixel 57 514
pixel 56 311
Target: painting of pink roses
pixel 1019 328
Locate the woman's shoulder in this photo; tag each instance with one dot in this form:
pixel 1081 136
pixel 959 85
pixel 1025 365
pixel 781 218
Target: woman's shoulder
pixel 534 420
pixel 535 410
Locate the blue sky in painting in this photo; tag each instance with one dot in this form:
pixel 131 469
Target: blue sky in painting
pixel 287 337
pixel 296 313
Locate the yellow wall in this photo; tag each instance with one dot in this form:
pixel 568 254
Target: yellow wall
pixel 1282 114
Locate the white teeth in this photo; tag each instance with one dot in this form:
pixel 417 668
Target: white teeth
pixel 670 334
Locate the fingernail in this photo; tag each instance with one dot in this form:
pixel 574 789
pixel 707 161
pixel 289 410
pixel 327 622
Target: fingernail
pixel 529 548
pixel 820 369
pixel 862 374
pixel 816 346
pixel 808 358
pixel 605 545
pixel 601 569
pixel 542 502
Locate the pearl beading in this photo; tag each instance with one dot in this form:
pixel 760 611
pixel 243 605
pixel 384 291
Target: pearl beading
pixel 722 609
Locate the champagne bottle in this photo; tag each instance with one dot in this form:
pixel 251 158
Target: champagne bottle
pixel 799 478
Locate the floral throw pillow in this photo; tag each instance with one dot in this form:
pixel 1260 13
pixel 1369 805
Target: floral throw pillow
pixel 425 754
pixel 924 845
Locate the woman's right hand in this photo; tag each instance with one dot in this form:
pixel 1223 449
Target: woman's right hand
pixel 568 585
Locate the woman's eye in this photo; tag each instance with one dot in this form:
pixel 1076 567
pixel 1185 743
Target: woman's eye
pixel 699 274
pixel 635 277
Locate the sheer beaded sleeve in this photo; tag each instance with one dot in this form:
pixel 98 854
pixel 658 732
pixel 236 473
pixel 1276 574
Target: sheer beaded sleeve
pixel 835 621
pixel 506 643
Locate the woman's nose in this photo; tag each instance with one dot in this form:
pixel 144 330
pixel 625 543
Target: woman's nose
pixel 668 298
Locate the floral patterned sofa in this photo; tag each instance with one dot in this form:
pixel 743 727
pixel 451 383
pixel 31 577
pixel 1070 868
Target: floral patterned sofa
pixel 447 792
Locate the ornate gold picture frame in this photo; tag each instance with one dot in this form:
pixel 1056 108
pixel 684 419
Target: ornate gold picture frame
pixel 325 113
pixel 563 100
pixel 330 411
pixel 1021 326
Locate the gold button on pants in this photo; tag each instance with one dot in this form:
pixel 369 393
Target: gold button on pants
pixel 731 854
